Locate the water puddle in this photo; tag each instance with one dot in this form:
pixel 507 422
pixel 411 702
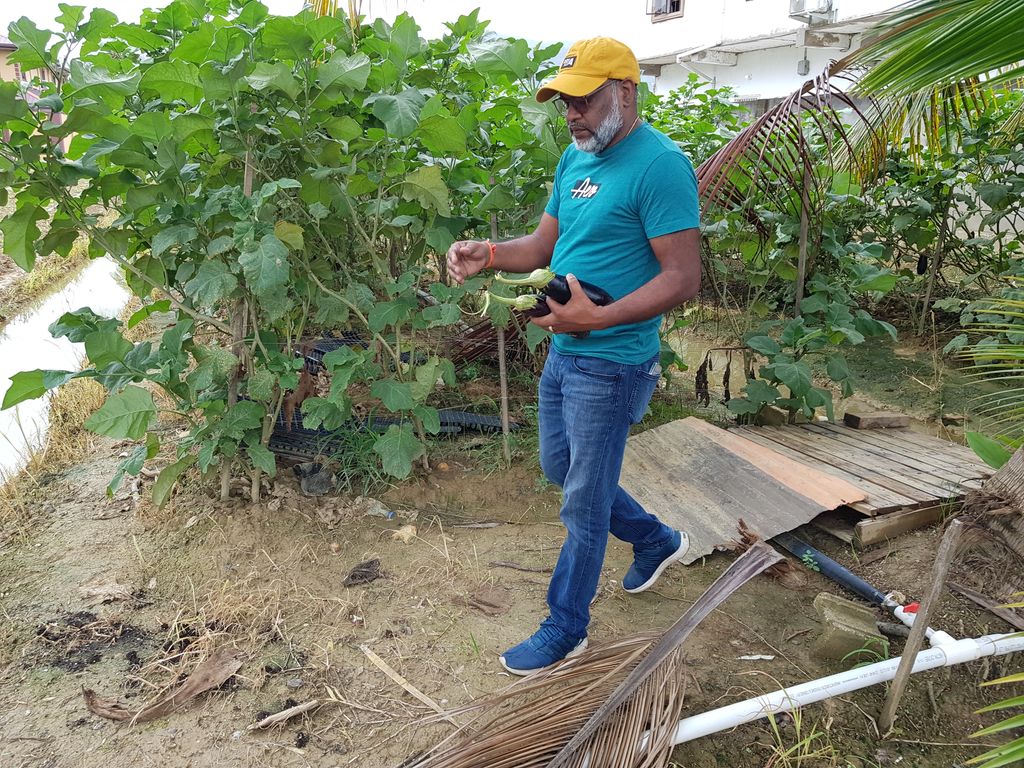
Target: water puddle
pixel 26 344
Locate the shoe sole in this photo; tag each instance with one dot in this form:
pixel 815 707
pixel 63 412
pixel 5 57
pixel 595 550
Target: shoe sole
pixel 675 557
pixel 580 648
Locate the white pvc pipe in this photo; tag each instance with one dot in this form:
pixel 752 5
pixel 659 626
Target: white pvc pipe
pixel 941 655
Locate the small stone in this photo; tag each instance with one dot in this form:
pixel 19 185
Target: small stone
pixel 295 683
pixel 443 466
pixel 335 547
pixel 953 420
pixel 236 735
pixel 849 631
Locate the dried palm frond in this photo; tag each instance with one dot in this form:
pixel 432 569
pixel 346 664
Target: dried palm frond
pixel 614 706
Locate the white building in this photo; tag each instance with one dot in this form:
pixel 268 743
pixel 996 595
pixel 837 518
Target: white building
pixel 764 49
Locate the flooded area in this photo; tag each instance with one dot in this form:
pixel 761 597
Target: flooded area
pixel 26 344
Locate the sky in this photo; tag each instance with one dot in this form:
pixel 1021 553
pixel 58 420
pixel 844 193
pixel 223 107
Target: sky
pixel 537 20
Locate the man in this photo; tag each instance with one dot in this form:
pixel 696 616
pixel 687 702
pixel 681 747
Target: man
pixel 623 216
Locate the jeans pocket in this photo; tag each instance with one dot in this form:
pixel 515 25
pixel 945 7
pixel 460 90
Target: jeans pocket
pixel 644 383
pixel 597 367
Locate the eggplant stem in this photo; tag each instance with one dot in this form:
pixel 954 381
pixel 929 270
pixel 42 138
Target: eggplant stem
pixel 536 279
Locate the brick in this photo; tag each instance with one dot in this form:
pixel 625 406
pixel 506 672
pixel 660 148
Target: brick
pixel 847 627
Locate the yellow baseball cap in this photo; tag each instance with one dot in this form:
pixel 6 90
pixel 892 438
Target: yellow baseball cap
pixel 588 64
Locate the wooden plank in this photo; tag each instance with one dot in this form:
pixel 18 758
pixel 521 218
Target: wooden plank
pixel 879 498
pixel 895 481
pixel 937 456
pixel 868 532
pixel 915 461
pixel 693 483
pixel 948 448
pixel 828 491
pixel 876 420
pixel 1009 615
pixel 835 524
pixel 891 465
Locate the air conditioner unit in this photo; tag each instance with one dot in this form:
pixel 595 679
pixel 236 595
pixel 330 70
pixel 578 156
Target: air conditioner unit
pixel 807 7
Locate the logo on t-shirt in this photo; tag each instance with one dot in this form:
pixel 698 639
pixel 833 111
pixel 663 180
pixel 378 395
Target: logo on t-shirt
pixel 584 190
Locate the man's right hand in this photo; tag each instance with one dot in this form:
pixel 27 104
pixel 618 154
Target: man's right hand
pixel 466 258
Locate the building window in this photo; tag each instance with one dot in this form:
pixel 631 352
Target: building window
pixel 660 10
pixel 17 72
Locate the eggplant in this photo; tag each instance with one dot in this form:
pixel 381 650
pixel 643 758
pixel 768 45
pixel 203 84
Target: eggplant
pixel 558 289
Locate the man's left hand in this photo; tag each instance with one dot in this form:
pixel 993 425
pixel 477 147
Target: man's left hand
pixel 578 314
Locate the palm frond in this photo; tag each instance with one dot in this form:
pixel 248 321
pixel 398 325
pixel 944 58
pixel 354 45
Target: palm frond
pixel 934 43
pixel 616 705
pixel 774 157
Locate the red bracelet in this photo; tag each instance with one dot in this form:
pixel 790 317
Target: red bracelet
pixel 493 250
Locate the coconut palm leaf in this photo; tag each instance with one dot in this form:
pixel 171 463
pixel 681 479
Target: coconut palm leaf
pixel 616 705
pixel 934 43
pixel 801 142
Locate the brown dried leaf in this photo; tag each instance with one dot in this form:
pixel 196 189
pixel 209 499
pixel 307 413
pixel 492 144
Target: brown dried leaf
pixel 209 674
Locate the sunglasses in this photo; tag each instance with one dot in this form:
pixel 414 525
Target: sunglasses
pixel 580 103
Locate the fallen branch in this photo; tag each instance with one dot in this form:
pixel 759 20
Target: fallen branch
pixel 517 567
pixel 388 670
pixel 284 714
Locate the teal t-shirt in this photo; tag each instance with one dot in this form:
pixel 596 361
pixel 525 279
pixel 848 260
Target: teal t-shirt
pixel 608 206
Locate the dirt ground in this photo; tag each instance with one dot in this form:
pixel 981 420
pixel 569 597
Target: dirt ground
pixel 269 580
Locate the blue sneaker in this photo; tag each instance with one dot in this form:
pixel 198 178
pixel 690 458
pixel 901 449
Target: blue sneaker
pixel 648 566
pixel 547 646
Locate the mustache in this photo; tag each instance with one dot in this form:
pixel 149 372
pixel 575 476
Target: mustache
pixel 573 125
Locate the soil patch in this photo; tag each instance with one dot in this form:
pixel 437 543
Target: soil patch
pixel 268 579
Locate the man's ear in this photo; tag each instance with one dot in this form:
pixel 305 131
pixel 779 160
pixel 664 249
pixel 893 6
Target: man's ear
pixel 629 94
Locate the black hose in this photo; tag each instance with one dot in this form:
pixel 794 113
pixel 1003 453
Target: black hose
pixel 825 565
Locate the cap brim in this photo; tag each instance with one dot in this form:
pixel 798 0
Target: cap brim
pixel 571 84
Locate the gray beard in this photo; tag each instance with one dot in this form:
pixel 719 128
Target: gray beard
pixel 602 137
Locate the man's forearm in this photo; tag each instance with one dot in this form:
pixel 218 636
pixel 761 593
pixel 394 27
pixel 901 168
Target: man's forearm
pixel 656 297
pixel 524 254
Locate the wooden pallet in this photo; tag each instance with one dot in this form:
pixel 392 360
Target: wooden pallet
pixel 898 469
pixel 703 479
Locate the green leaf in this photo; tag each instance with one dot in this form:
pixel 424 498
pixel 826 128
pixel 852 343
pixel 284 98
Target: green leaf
pixel 396 395
pixel 390 313
pixel 988 450
pixel 164 305
pixel 29 385
pixel 289 234
pixel 277 76
pixel 318 412
pixel 12 105
pixel 242 417
pixel 20 234
pixel 398 448
pixel 105 347
pixel 213 282
pixel 70 17
pixel 262 458
pixel 796 376
pixel 442 135
pixel 178 234
pixel 128 414
pixel 506 57
pixel 766 345
pixel 430 417
pixel 168 477
pixel 265 265
pixel 837 368
pixel 133 464
pixel 172 81
pixel 140 38
pixel 260 384
pixel 441 315
pixel 400 114
pixel 31 42
pixel 343 70
pixel 426 186
pixel 742 407
pixel 759 392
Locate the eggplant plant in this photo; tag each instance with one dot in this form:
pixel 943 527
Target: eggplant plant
pixel 270 177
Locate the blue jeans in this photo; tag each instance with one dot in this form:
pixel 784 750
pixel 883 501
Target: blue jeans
pixel 586 406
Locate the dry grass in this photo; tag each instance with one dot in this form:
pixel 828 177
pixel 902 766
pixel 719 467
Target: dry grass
pixel 66 442
pixel 50 273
